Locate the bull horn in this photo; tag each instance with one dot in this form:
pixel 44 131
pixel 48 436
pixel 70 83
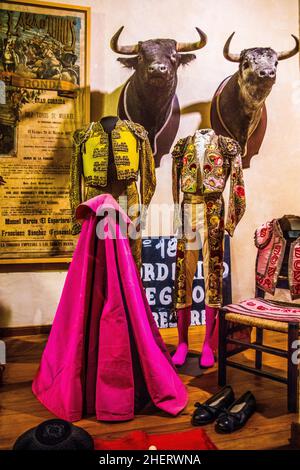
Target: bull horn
pixel 228 55
pixel 287 54
pixel 192 46
pixel 126 50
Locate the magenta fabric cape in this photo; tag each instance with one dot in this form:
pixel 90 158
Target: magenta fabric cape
pixel 105 355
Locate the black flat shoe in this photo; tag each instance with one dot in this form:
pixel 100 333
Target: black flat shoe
pixel 237 415
pixel 208 411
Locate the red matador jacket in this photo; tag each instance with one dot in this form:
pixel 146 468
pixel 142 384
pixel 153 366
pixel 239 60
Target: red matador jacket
pixel 271 246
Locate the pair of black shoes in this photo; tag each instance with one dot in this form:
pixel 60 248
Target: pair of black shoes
pixel 230 414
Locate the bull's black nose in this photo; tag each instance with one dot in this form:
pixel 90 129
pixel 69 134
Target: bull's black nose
pixel 267 73
pixel 157 68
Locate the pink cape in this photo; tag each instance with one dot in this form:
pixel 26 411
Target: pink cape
pixel 105 355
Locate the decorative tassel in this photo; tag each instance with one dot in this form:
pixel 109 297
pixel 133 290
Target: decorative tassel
pixel 173 317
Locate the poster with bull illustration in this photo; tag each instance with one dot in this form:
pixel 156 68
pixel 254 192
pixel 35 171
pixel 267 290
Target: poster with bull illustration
pixel 33 48
pixel 43 76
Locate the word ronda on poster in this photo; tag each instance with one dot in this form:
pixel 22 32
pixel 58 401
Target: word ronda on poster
pixel 44 63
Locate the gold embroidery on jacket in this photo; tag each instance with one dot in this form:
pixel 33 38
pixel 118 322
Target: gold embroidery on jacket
pixel 221 159
pixel 90 155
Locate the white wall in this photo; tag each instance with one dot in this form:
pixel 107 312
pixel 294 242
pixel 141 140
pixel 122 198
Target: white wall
pixel 272 182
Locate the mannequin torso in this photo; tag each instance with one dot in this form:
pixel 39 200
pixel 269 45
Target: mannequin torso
pixel 109 123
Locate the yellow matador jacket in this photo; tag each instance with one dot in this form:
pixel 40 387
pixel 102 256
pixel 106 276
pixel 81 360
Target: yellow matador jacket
pixel 132 156
pixel 201 174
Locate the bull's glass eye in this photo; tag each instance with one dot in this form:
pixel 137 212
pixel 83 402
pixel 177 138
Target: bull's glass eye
pixel 140 58
pixel 173 56
pixel 245 64
pixel 276 63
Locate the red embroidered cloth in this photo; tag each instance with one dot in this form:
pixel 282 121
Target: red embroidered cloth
pixel 267 309
pixel 195 439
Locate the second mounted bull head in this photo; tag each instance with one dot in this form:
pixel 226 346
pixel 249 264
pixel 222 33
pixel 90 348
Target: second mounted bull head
pixel 238 107
pixel 149 96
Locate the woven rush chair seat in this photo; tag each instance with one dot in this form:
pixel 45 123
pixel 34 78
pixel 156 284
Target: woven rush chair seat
pixel 279 326
pixel 275 316
pixel 261 313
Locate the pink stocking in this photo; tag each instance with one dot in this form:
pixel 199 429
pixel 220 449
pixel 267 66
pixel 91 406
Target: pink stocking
pixel 211 335
pixel 183 323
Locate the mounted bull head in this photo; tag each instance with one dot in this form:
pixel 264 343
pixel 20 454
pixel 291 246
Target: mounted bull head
pixel 257 67
pixel 238 107
pixel 149 95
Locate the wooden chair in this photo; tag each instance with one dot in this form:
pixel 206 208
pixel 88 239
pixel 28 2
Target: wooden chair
pixel 2 360
pixel 230 323
pixel 2 368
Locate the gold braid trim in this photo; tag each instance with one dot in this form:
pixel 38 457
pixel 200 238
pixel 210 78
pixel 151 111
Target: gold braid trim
pixel 75 190
pixel 148 177
pixel 137 129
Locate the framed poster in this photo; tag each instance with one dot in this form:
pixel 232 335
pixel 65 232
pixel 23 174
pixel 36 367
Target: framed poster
pixel 44 97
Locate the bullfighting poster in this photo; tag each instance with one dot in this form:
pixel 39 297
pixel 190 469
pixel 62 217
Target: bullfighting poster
pixel 44 97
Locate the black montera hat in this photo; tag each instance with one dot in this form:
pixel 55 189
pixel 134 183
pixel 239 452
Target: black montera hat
pixel 54 434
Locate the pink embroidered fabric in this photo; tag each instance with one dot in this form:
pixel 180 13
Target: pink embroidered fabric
pixel 271 247
pixel 266 309
pixel 294 269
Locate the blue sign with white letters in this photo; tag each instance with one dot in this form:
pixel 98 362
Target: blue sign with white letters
pixel 158 274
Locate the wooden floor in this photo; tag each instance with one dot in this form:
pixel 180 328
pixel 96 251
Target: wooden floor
pixel 269 428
